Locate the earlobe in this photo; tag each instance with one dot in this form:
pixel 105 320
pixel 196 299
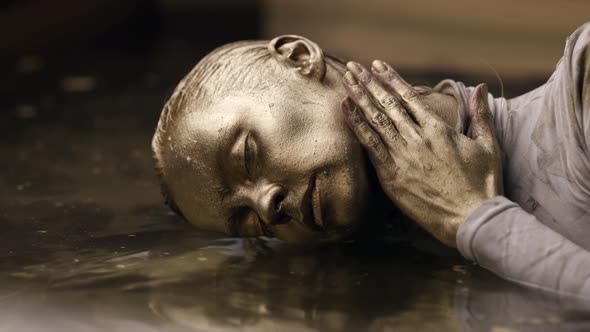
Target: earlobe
pixel 299 53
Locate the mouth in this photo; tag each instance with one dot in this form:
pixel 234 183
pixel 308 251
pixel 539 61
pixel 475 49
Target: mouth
pixel 316 220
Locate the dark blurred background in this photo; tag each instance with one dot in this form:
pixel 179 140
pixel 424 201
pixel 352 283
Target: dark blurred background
pixel 84 44
pixel 52 47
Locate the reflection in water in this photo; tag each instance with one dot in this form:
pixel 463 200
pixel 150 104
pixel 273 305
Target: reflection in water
pixel 185 280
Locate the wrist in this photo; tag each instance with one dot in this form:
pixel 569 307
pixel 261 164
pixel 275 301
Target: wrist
pixel 451 227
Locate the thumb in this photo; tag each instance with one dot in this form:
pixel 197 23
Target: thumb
pixel 482 121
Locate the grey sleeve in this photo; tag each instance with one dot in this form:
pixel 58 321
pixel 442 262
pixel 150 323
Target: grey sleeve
pixel 500 236
pixel 577 61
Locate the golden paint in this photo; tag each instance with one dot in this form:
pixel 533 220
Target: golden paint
pixel 297 135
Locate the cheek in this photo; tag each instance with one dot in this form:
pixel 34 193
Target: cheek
pixel 307 140
pixel 347 192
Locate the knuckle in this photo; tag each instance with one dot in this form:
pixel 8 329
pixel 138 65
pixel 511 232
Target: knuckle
pixel 410 95
pixel 357 90
pixel 389 102
pixel 363 128
pixel 391 133
pixel 364 77
pixel 373 142
pixel 380 119
pixel 388 75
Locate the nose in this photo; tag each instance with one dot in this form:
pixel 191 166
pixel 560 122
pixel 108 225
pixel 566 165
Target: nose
pixel 269 204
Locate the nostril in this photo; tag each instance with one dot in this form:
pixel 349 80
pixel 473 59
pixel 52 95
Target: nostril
pixel 278 201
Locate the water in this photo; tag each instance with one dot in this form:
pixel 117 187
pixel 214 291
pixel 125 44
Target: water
pixel 87 244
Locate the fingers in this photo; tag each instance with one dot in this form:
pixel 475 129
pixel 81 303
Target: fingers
pixel 482 122
pixel 408 95
pixel 382 100
pixel 376 149
pixel 377 120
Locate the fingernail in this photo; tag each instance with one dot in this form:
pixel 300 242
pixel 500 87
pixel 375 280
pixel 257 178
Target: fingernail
pixel 379 66
pixel 350 113
pixel 354 67
pixel 362 75
pixel 350 79
pixel 484 91
pixel 347 104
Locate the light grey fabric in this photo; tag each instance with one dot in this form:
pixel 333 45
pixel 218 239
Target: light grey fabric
pixel 539 234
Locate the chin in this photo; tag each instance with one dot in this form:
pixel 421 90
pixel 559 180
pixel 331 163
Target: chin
pixel 353 204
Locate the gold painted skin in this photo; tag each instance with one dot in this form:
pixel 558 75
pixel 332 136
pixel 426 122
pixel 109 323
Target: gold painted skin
pixel 291 167
pixel 435 175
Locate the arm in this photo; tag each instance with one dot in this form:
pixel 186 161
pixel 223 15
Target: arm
pixel 514 244
pixel 503 238
pixel 436 183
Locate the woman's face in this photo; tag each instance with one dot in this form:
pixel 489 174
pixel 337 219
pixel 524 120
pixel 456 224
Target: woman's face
pixel 281 162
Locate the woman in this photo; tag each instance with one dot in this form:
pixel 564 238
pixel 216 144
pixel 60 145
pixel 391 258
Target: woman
pixel 252 142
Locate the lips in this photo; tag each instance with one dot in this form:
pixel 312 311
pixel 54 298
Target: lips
pixel 316 208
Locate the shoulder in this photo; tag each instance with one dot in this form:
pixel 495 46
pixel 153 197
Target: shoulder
pixel 570 81
pixel 580 37
pixel 575 57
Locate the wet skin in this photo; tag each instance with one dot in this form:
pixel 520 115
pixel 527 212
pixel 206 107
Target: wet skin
pixel 281 163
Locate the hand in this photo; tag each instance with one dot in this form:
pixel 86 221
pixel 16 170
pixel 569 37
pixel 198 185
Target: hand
pixel 434 174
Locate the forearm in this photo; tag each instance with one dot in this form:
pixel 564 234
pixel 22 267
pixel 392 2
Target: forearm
pixel 500 236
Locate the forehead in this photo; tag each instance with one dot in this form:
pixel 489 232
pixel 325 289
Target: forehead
pixel 194 177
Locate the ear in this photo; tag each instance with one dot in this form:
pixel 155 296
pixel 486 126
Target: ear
pixel 299 53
